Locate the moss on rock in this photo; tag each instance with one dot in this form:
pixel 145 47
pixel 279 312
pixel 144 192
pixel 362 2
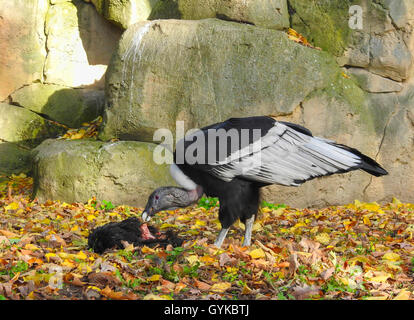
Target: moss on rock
pixel 122 172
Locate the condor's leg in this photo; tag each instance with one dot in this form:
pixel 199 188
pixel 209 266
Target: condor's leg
pixel 248 231
pixel 221 236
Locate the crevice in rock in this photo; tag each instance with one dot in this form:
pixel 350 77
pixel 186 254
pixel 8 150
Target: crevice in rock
pixel 44 116
pixel 291 12
pixel 17 144
pixel 227 18
pixel 393 113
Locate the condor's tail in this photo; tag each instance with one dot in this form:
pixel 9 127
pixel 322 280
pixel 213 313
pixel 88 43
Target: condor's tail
pixel 368 165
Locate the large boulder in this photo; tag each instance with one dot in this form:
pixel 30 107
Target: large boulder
pixel 23 43
pixel 122 172
pixel 271 14
pixel 204 71
pixel 124 13
pixel 24 127
pixel 65 105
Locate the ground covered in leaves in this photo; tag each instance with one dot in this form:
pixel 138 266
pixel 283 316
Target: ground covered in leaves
pixel 357 251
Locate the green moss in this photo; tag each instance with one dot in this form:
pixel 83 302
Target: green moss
pixel 323 23
pixel 165 9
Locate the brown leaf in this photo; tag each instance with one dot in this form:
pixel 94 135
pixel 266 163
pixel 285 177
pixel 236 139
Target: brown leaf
pixel 326 274
pixel 223 259
pixel 301 293
pixel 107 292
pixel 201 285
pixel 9 234
pixel 103 279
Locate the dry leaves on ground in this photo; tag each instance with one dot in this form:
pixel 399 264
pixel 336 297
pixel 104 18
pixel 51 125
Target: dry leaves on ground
pixel 357 251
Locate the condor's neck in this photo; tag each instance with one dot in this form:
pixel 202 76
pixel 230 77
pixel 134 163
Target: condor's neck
pixel 193 190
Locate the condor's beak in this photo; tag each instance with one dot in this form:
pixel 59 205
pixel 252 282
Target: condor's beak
pixel 146 216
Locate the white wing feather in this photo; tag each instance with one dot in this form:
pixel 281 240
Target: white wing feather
pixel 286 157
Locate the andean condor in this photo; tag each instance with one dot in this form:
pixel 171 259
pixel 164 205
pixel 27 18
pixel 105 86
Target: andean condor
pixel 267 152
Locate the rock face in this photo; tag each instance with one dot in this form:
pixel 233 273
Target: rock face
pixel 374 83
pixel 205 71
pixel 121 172
pixel 48 48
pixel 80 43
pixel 384 45
pixel 65 105
pixel 124 13
pixel 23 52
pixel 14 159
pixel 272 14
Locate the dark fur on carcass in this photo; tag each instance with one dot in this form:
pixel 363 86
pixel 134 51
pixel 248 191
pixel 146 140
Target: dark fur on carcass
pixel 112 234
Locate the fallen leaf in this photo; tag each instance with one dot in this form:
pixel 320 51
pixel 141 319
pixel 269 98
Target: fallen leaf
pixel 220 287
pixel 257 253
pixel 403 295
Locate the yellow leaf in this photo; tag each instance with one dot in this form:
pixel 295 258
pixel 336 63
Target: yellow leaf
pixel 257 227
pixel 377 298
pixel 391 256
pixel 379 277
pixel 64 255
pixel 207 259
pixel 81 255
pixel 403 295
pixel 193 259
pixel 246 290
pixel 12 206
pixel 345 281
pixel 32 247
pixel 155 277
pixel 146 249
pixel 257 253
pixel 168 225
pixel 220 287
pixel 200 223
pixel 90 217
pixel 323 238
pixel 49 255
pixel 152 296
pixel 68 263
pixel 367 221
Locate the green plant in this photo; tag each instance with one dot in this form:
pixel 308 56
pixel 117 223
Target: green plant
pixel 273 206
pixel 191 271
pixel 334 285
pixel 208 203
pixel 107 205
pixel 20 266
pixel 174 254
